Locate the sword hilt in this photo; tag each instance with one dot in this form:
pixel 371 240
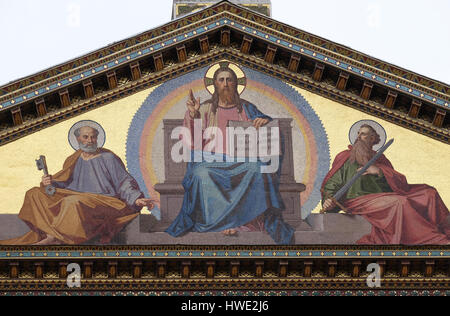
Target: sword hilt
pixel 327 196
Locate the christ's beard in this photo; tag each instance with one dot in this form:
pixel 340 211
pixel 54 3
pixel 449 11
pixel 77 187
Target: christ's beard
pixel 226 95
pixel 88 148
pixel 361 153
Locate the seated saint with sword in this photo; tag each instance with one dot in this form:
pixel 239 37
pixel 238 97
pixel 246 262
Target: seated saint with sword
pixel 364 182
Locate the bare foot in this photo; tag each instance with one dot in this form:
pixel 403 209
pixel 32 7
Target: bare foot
pixel 50 240
pixel 230 232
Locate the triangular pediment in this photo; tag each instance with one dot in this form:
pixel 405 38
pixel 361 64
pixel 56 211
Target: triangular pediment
pixel 225 31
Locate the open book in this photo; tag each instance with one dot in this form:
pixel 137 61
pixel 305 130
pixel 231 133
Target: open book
pixel 244 140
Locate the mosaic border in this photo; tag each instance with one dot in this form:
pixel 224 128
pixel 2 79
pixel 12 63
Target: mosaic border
pixel 224 254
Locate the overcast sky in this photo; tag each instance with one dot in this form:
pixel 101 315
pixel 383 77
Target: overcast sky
pixel 38 34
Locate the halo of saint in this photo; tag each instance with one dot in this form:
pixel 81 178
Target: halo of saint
pixel 209 76
pixel 101 137
pixel 353 133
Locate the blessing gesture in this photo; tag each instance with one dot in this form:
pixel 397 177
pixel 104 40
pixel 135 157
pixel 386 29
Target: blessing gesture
pixel 193 104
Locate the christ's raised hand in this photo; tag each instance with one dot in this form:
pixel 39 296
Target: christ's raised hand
pixel 193 104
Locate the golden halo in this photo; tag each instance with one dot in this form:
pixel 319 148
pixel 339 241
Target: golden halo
pixel 209 76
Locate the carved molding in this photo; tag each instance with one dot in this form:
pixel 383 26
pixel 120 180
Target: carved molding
pixel 247 60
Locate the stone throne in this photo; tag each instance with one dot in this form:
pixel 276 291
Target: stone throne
pixel 172 191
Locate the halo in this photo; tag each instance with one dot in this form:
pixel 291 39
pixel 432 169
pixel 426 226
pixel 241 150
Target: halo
pixel 73 140
pixel 209 76
pixel 353 133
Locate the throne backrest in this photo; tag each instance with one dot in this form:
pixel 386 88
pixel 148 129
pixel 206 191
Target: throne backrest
pixel 174 172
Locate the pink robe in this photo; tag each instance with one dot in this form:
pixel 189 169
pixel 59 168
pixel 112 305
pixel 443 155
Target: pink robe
pixel 413 214
pixel 223 116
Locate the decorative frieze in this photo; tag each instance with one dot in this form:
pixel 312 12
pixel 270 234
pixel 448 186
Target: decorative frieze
pixel 38 270
pixel 112 269
pixel 62 270
pixel 135 71
pixel 112 80
pixel 318 72
pixel 246 44
pixel 390 99
pixel 415 108
pixel 307 268
pixel 405 268
pixel 342 81
pixel 234 268
pixel 429 268
pixel 439 117
pixel 137 269
pixel 186 269
pixel 210 269
pixel 88 269
pixel 332 268
pixel 283 268
pixel 88 89
pixel 64 97
pixel 181 53
pixel 161 269
pixel 270 54
pixel 17 116
pixel 204 44
pixel 225 37
pixel 159 62
pixel 259 269
pixel 356 268
pixel 14 270
pixel 366 90
pixel 294 62
pixel 41 108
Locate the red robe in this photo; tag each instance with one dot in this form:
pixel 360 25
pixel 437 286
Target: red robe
pixel 413 214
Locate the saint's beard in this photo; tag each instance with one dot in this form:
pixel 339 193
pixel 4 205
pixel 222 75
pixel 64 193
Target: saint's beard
pixel 88 148
pixel 361 152
pixel 227 95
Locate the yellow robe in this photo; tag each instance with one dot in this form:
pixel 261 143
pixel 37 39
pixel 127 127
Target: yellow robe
pixel 71 217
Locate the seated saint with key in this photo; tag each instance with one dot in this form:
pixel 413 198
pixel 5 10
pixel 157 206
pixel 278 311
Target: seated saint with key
pixel 95 196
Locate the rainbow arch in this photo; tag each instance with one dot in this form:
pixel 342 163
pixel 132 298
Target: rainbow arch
pixel 147 120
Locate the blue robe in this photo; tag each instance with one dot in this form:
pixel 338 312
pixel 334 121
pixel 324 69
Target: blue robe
pixel 225 195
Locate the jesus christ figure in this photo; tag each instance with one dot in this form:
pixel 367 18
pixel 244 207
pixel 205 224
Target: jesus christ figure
pixel 228 196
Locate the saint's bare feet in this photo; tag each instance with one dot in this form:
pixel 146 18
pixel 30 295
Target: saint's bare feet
pixel 230 232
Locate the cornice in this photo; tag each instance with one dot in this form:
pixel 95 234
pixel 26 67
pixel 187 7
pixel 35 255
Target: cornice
pixel 176 70
pixel 232 285
pixel 210 21
pixel 296 40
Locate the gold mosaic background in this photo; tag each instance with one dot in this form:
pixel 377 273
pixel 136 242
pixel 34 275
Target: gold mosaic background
pixel 420 158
